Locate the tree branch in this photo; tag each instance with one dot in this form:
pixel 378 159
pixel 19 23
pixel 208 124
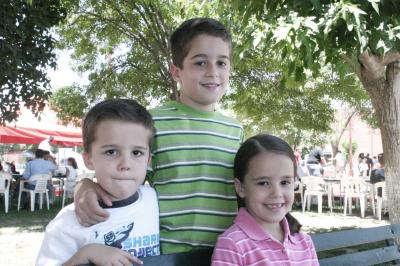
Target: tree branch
pixel 373 65
pixel 390 57
pixel 346 123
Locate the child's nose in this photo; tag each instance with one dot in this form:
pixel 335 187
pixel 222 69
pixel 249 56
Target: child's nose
pixel 211 70
pixel 124 164
pixel 275 191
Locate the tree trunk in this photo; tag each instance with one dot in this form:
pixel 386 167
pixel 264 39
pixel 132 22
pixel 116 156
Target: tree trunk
pixel 382 82
pixel 335 148
pixel 336 139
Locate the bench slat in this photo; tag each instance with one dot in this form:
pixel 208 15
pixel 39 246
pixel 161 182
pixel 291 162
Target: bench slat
pixel 396 229
pixel 198 257
pixel 353 237
pixel 368 257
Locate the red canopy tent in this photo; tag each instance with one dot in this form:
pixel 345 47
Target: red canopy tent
pixel 13 135
pixel 23 135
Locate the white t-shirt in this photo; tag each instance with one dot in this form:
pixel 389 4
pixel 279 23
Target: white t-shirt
pixel 133 226
pixel 70 180
pixel 339 159
pixel 45 145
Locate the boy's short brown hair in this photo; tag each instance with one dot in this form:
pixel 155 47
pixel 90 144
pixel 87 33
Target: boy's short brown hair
pixel 188 30
pixel 116 109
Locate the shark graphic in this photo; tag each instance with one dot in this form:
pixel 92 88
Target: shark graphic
pixel 116 237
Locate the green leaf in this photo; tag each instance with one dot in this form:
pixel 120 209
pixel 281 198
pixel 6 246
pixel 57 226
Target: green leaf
pixel 292 66
pixel 281 33
pixel 374 4
pixel 27 49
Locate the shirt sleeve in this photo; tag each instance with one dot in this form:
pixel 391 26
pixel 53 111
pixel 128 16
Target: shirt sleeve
pixel 52 166
pixel 226 252
pixel 61 241
pixel 27 171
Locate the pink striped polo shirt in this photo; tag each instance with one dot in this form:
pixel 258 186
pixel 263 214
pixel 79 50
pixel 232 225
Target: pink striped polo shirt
pixel 245 243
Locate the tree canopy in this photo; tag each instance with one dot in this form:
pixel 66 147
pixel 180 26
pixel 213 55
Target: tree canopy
pixel 312 33
pixel 357 35
pixel 125 49
pixel 26 50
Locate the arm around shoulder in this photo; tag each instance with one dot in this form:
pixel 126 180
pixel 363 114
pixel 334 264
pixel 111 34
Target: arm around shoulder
pixel 88 211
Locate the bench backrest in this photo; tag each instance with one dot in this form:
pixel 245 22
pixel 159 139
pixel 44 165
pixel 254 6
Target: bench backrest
pixel 347 240
pixel 343 245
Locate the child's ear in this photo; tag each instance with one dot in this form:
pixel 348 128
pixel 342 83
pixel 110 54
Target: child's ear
pixel 87 159
pixel 239 188
pixel 175 72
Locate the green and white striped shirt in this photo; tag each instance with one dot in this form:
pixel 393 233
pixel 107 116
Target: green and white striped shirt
pixel 192 173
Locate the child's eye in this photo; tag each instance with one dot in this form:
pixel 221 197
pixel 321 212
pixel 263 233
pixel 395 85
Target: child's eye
pixel 222 63
pixel 137 153
pixel 286 182
pixel 200 63
pixel 110 152
pixel 263 183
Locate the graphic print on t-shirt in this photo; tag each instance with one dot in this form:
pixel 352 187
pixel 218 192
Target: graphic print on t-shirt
pixel 114 238
pixel 126 237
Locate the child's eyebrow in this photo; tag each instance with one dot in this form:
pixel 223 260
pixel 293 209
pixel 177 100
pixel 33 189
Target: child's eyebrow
pixel 108 146
pixel 256 178
pixel 205 56
pixel 268 177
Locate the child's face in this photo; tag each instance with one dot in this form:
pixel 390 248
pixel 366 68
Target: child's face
pixel 204 76
pixel 119 156
pixel 268 188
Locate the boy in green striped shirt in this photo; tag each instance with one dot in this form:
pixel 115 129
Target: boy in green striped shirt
pixel 194 145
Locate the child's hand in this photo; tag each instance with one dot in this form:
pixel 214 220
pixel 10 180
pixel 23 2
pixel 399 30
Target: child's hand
pixel 87 208
pixel 101 255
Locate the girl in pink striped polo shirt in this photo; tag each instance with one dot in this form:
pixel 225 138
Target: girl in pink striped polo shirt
pixel 264 233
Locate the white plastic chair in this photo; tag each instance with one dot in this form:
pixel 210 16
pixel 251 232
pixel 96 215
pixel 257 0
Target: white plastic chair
pixel 380 199
pixel 355 187
pixel 315 186
pixel 40 187
pixel 5 180
pixel 67 188
pixel 300 191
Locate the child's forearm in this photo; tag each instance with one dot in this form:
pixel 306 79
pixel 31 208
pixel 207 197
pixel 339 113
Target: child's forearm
pixel 82 256
pixel 102 255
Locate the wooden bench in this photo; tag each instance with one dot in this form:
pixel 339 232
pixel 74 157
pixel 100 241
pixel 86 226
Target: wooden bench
pixel 365 246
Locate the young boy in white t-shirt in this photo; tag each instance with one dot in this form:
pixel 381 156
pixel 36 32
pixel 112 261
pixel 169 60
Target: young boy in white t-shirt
pixel 117 136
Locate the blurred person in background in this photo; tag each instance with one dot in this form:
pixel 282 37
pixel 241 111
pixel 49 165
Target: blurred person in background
pixel 378 174
pixel 340 163
pixel 71 174
pixel 37 166
pixel 315 162
pixel 45 145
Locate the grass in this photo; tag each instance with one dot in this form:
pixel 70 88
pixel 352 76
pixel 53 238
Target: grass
pixel 25 220
pixel 21 232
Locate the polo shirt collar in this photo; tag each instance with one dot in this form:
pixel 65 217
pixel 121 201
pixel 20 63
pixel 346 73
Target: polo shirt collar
pixel 254 231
